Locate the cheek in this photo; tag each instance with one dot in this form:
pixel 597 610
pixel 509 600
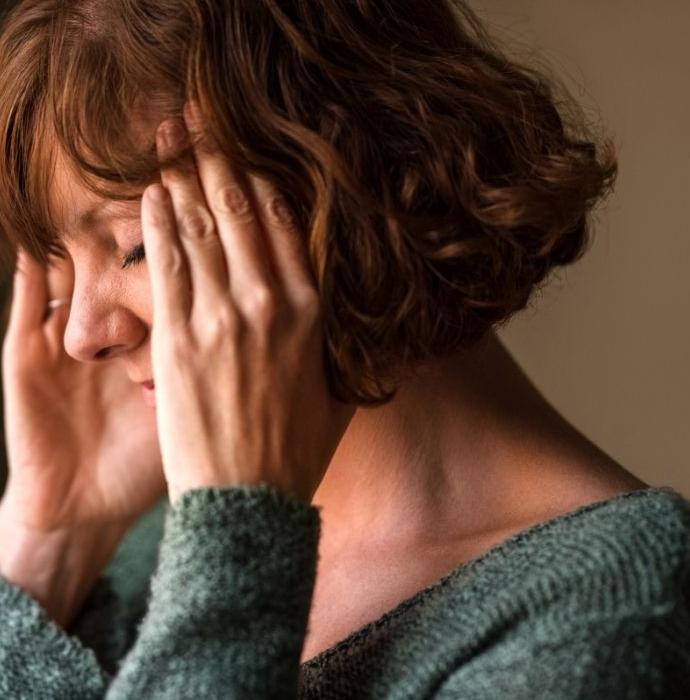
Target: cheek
pixel 138 295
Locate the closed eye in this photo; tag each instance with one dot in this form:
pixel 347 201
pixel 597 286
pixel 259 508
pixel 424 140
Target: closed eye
pixel 134 257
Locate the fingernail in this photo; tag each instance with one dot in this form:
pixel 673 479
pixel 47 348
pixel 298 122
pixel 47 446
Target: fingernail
pixel 157 193
pixel 171 133
pixel 192 114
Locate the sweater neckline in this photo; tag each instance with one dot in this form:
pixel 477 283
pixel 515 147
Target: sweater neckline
pixel 496 550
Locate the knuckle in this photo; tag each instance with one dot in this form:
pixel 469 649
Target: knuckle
pixel 197 224
pixel 172 261
pixel 232 201
pixel 180 348
pixel 224 324
pixel 280 213
pixel 159 219
pixel 308 305
pixel 261 305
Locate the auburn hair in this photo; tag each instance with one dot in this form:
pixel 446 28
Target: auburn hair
pixel 436 181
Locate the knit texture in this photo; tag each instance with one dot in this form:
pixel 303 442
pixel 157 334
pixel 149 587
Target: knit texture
pixel 594 603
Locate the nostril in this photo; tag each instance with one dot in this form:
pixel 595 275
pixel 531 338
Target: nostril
pixel 106 352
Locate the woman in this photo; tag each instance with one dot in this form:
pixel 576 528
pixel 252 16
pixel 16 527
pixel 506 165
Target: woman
pixel 337 203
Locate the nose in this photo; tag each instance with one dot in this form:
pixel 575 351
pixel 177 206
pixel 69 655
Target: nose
pixel 100 326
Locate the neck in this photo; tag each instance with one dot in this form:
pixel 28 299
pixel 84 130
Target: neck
pixel 455 454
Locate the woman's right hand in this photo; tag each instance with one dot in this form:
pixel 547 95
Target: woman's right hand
pixel 82 446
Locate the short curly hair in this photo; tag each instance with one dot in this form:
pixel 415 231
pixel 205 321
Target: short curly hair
pixel 437 182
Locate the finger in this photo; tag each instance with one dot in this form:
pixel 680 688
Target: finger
pixel 229 200
pixel 60 278
pixel 167 265
pixel 284 237
pixel 55 326
pixel 195 225
pixel 29 294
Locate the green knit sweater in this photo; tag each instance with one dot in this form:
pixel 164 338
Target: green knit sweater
pixel 594 603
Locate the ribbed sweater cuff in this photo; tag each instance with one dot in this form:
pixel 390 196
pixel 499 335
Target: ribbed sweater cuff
pixel 238 548
pixel 39 658
pixel 230 598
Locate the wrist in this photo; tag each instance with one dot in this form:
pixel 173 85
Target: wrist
pixel 57 567
pixel 300 492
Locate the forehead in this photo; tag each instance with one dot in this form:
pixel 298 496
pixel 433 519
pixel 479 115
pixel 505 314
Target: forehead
pixel 75 209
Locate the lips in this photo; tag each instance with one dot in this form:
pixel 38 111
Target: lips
pixel 148 391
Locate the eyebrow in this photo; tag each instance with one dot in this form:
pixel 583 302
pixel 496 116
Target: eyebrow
pixel 93 215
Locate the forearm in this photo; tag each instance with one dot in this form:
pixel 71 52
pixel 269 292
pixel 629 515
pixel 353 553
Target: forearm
pixel 230 599
pixel 227 614
pixel 57 568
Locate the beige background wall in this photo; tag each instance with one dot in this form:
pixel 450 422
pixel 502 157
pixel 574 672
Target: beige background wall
pixel 608 341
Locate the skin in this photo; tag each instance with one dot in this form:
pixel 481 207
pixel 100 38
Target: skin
pixel 468 453
pixel 236 354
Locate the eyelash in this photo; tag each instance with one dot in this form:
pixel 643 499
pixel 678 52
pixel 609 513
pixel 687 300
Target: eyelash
pixel 135 257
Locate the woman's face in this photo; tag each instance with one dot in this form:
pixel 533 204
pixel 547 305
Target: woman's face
pixel 111 311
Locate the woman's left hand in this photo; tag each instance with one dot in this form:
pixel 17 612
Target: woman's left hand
pixel 237 340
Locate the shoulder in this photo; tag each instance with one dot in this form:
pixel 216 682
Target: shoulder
pixel 632 549
pixel 595 603
pixel 639 654
pixel 616 538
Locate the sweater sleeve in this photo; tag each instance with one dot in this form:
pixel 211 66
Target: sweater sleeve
pixel 227 615
pixel 635 655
